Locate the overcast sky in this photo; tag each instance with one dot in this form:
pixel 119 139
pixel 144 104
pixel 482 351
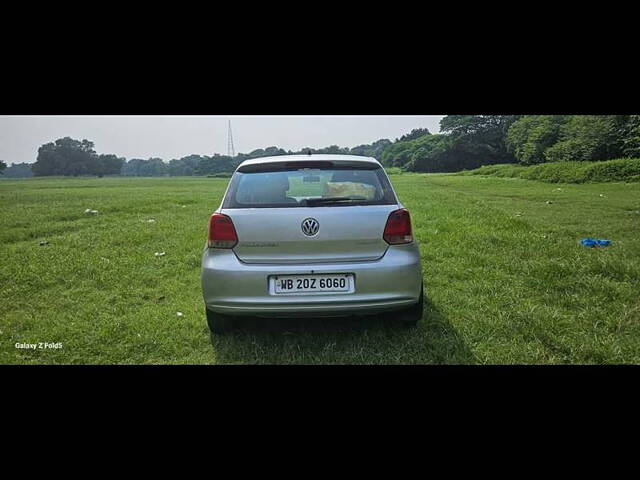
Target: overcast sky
pixel 170 137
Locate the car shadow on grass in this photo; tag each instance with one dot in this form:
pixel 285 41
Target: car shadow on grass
pixel 349 340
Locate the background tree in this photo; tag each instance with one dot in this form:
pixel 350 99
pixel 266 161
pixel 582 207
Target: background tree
pixel 67 156
pixel 185 166
pixel 482 134
pixel 414 134
pixel 552 138
pixel 398 154
pixel 631 137
pixel 468 141
pixel 153 167
pixel 587 138
pixel 218 164
pixel 18 170
pixel 108 164
pixel 332 150
pixel 273 151
pixel 444 153
pixel 530 136
pixel 374 149
pixel 131 168
pixel 2 166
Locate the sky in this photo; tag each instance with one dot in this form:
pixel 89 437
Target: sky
pixel 169 137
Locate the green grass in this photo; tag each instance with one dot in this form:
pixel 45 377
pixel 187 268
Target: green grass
pixel 621 170
pixel 506 279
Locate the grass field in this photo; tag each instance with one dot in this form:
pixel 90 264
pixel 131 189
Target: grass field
pixel 505 277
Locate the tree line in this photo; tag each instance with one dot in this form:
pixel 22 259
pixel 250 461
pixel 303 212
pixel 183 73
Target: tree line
pixel 466 142
pixel 70 157
pixel 209 165
pixel 470 141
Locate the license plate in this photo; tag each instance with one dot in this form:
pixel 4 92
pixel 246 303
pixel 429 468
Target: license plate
pixel 290 284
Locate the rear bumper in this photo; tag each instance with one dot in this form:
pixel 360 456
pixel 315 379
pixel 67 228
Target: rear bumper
pixel 233 287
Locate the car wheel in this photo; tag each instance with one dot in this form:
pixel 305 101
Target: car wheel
pixel 218 323
pixel 412 315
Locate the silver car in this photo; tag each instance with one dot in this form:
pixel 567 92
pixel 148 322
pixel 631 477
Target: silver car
pixel 310 235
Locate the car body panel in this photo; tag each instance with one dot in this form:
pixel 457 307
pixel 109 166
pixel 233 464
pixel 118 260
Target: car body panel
pixel 274 235
pixel 233 287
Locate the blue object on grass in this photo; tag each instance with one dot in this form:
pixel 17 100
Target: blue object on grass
pixel 593 242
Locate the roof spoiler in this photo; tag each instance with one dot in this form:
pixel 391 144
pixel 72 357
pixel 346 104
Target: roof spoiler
pixel 314 164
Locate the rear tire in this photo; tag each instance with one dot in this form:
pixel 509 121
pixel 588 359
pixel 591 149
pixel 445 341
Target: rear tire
pixel 217 322
pixel 410 317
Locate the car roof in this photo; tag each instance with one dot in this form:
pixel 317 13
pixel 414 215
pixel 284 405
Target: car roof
pixel 338 159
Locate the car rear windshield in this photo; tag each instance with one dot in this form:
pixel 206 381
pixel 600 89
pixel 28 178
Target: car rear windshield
pixel 309 187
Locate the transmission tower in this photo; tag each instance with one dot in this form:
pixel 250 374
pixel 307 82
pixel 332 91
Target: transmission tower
pixel 230 150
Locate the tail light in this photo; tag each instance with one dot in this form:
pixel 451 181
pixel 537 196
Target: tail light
pixel 398 228
pixel 222 233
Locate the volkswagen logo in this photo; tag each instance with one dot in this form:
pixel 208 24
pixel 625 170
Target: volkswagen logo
pixel 310 227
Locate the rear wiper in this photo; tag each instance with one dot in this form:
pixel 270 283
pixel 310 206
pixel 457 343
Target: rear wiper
pixel 323 201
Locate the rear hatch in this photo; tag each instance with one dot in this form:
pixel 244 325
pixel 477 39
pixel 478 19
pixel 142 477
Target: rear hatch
pixel 310 212
pixel 345 234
